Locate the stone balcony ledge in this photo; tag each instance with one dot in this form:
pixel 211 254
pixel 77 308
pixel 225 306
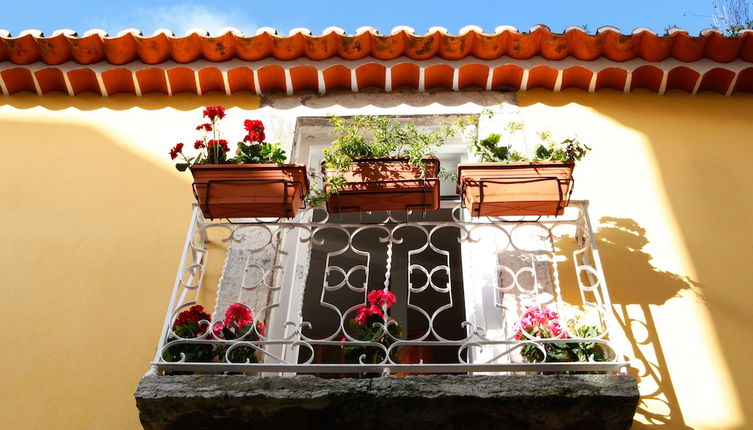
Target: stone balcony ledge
pixel 431 401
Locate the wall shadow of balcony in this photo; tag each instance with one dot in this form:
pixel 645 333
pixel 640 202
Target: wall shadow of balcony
pixel 697 147
pixel 634 285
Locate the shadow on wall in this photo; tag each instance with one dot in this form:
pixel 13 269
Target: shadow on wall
pixel 634 285
pixel 700 145
pixel 88 101
pixel 250 101
pixel 91 237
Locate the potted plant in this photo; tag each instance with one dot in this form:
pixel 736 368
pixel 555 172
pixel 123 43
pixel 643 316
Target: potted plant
pixel 507 182
pixel 189 324
pixel 253 183
pixel 377 163
pixel 238 326
pixel 539 323
pixel 372 324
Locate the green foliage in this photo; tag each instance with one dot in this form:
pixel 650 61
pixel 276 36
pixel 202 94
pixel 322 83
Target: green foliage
pixel 260 153
pixel 192 352
pixel 565 351
pixel 567 151
pixel 215 155
pixel 373 136
pixel 241 353
pixel 492 148
pixel 489 150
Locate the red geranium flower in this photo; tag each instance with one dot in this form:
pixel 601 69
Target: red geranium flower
pixel 238 315
pixel 382 298
pixel 221 142
pixel 177 149
pixel 206 126
pixel 213 112
pixel 253 125
pixel 252 137
pixel 255 130
pixel 193 314
pixel 365 312
pixel 198 144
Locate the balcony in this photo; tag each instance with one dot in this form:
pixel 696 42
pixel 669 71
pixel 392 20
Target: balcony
pixel 473 297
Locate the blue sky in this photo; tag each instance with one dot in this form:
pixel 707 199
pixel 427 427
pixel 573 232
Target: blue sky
pixel 179 16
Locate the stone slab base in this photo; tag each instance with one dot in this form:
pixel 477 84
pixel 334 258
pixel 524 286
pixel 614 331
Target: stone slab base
pixel 415 402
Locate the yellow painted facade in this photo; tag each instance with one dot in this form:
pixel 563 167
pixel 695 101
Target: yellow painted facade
pixel 93 218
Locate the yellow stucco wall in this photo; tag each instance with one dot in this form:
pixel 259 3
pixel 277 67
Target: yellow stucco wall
pixel 93 218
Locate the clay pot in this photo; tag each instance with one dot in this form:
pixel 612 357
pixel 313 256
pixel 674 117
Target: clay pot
pixel 515 189
pixel 386 184
pixel 249 190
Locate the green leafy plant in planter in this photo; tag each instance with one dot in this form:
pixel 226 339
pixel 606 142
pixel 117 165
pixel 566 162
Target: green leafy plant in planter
pixel 489 148
pixel 493 149
pixel 363 137
pixel 508 182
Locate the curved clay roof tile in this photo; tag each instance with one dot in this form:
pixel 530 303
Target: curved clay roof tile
pixel 129 45
pixel 185 49
pixel 154 49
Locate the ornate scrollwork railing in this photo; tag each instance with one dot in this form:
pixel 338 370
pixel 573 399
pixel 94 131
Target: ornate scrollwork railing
pixel 472 295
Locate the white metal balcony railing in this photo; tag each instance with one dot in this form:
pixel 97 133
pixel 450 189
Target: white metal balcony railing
pixel 474 288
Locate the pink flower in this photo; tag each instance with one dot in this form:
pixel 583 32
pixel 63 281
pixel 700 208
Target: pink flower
pixel 382 298
pixel 365 312
pixel 544 320
pixel 217 330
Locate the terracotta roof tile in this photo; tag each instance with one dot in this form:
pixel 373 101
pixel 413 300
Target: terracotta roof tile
pixel 230 61
pixel 163 46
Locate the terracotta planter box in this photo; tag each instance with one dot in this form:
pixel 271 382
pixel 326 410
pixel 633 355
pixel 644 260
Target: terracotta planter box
pixel 250 190
pixel 517 189
pixel 386 184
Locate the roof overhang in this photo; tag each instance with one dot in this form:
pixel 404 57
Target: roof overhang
pixel 265 62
